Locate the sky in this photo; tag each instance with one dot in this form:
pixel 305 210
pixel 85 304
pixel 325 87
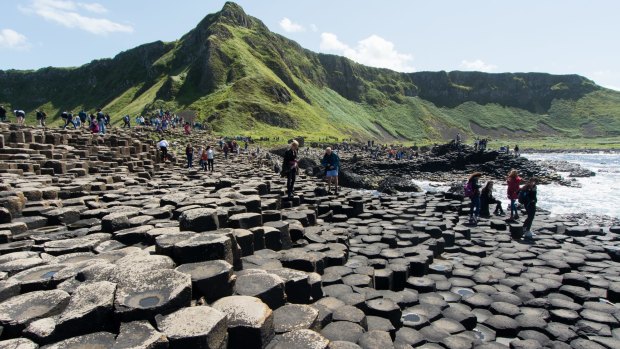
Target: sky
pixel 553 36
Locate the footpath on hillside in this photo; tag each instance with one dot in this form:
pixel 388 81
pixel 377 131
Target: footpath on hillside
pixel 102 244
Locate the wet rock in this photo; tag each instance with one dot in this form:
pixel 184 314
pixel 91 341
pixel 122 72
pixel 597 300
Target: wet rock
pixel 17 312
pixel 142 295
pixel 250 321
pixel 194 327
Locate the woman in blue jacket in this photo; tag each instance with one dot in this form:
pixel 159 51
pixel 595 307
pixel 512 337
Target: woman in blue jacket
pixel 331 161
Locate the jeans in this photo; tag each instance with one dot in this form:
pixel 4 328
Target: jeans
pixel 474 206
pixel 189 160
pixel 164 153
pixel 290 181
pixel 102 127
pixel 210 164
pixel 531 212
pixel 513 208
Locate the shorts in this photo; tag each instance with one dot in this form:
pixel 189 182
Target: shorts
pixel 331 173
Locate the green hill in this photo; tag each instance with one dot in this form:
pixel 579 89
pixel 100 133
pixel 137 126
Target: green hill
pixel 243 79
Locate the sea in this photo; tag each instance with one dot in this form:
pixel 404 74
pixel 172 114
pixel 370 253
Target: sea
pixel 597 196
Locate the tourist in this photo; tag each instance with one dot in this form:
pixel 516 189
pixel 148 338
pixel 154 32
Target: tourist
pixel 210 157
pixel 163 147
pixel 472 191
pixel 289 167
pixel 331 161
pixel 2 114
pixel 204 157
pixel 513 181
pixel 126 121
pixel 20 116
pixel 41 116
pixel 527 196
pixel 83 116
pixel 226 150
pixel 101 121
pixel 94 127
pixel 189 153
pixel 187 128
pixel 77 123
pixel 517 153
pixel 487 198
pixel 65 117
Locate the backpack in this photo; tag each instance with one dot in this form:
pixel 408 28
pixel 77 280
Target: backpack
pixel 523 197
pixel 468 190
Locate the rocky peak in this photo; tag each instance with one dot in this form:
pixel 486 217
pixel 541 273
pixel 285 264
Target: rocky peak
pixel 233 14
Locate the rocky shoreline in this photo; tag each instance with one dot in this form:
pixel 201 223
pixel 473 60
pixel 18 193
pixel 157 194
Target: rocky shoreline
pixel 103 245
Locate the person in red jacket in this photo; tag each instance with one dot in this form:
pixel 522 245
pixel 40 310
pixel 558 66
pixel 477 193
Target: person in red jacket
pixel 514 181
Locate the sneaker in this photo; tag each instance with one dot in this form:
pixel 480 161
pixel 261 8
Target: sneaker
pixel 528 234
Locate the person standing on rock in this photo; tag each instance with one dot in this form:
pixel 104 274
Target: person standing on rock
pixel 517 154
pixel 126 121
pixel 83 116
pixel 101 121
pixel 226 149
pixel 203 159
pixel 163 147
pixel 210 158
pixel 2 114
pixel 487 199
pixel 189 152
pixel 513 181
pixel 529 199
pixel 331 161
pixel 472 191
pixel 289 167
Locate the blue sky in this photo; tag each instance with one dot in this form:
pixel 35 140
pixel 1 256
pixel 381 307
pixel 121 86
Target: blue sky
pixel 558 37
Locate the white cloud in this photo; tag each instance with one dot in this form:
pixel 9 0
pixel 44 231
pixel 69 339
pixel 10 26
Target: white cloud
pixel 291 27
pixel 93 7
pixel 478 65
pixel 314 28
pixel 67 13
pixel 10 39
pixel 373 51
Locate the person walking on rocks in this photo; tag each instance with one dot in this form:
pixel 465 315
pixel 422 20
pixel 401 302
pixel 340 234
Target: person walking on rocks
pixel 94 127
pixel 210 157
pixel 41 117
pixel 163 147
pixel 527 196
pixel 83 116
pixel 189 152
pixel 289 167
pixel 126 121
pixel 20 116
pixel 513 181
pixel 2 114
pixel 331 161
pixel 517 153
pixel 226 150
pixel 487 199
pixel 472 191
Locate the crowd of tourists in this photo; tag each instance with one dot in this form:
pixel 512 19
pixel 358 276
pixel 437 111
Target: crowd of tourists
pixel 481 198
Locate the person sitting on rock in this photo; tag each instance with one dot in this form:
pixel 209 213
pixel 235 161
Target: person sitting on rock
pixel 289 167
pixel 487 198
pixel 513 180
pixel 331 161
pixel 94 127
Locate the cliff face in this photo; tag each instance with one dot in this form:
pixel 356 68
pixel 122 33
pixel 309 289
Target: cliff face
pixel 240 76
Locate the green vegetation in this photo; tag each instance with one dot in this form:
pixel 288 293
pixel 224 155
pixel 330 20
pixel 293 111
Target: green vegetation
pixel 242 79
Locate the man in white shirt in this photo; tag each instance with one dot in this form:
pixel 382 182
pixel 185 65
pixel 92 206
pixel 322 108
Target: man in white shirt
pixel 163 147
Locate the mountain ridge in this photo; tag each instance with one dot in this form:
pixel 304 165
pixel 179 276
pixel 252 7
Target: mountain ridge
pixel 241 78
